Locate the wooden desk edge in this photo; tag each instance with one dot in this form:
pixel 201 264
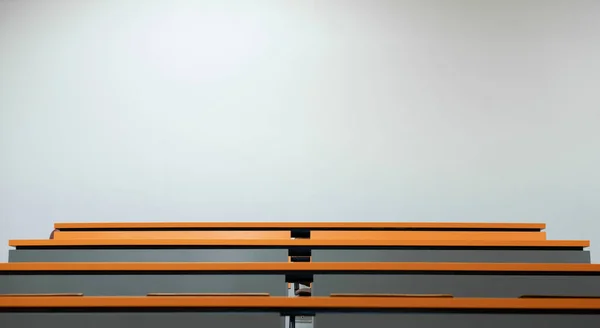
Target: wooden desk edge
pixel 297 225
pixel 298 243
pixel 357 267
pixel 298 302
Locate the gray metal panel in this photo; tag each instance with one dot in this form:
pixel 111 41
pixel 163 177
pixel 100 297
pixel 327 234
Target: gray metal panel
pixel 441 255
pixel 132 284
pixel 148 255
pixel 141 320
pixel 457 285
pixel 455 320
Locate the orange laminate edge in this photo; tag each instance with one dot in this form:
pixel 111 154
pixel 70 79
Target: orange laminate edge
pixel 302 266
pixel 317 234
pixel 43 295
pixel 300 242
pixel 428 235
pixel 301 302
pixel 302 225
pixel 215 234
pixel 209 294
pixel 388 295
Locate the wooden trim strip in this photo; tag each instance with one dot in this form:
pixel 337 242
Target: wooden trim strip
pixel 301 302
pixel 299 225
pixel 389 295
pixel 317 234
pixel 197 234
pixel 44 295
pixel 427 235
pixel 358 267
pixel 300 243
pixel 210 294
pixel 558 296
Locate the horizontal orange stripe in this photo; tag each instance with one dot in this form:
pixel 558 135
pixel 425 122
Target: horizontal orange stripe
pixel 300 242
pixel 303 302
pixel 428 235
pixel 317 234
pixel 299 225
pixel 210 294
pixel 300 266
pixel 388 295
pixel 43 295
pixel 216 234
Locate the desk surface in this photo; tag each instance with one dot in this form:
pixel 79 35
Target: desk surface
pixel 299 225
pixel 283 243
pixel 278 303
pixel 316 234
pixel 314 267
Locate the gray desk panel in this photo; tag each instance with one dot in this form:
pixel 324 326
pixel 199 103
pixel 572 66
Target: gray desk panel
pixel 456 320
pixel 458 285
pixel 132 284
pixel 441 255
pixel 148 255
pixel 141 320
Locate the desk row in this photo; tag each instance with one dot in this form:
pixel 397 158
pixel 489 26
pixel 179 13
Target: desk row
pixel 225 253
pixel 265 312
pixel 457 279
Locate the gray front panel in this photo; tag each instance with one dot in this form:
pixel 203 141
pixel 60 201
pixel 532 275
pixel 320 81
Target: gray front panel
pixel 456 320
pixel 457 285
pixel 148 255
pixel 132 284
pixel 441 255
pixel 141 320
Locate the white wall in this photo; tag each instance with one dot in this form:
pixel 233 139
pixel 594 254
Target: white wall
pixel 414 110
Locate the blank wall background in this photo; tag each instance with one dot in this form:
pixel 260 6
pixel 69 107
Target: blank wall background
pixel 380 110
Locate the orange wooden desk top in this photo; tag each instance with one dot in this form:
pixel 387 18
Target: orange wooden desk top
pixel 300 225
pixel 315 234
pixel 357 267
pixel 298 302
pixel 299 243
